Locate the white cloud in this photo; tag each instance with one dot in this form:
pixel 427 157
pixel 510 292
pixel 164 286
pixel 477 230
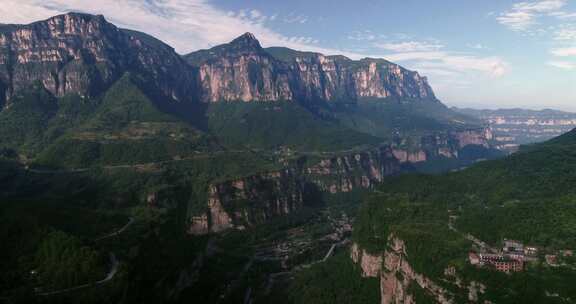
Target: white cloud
pixel 189 25
pixel 255 14
pixel 565 65
pixel 563 15
pixel 477 46
pixel 492 66
pixel 540 6
pixel 564 52
pixel 409 46
pixel 366 35
pixel 294 18
pixel 523 15
pixel 565 33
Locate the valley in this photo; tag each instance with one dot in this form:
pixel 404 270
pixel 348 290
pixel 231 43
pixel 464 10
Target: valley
pixel 130 173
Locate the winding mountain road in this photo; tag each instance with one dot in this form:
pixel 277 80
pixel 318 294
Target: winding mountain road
pixel 117 232
pixel 109 276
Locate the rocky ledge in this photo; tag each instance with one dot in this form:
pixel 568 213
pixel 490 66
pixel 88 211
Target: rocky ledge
pixel 396 276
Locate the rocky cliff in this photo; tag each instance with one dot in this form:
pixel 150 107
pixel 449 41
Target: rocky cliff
pixel 441 144
pixel 397 276
pixel 252 200
pixel 248 201
pixel 357 170
pixel 84 54
pixel 243 71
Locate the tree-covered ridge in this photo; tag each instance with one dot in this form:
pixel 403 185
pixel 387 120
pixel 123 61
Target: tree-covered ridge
pixel 528 196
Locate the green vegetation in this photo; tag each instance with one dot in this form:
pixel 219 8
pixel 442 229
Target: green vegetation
pixel 337 280
pixel 527 196
pixel 389 117
pixel 282 124
pixel 422 225
pixel 125 128
pixel 75 168
pixel 47 244
pixel 62 261
pixel 23 123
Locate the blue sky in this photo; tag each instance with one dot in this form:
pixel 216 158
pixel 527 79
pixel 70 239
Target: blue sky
pixel 484 54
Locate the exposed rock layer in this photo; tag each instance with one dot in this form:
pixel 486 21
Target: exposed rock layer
pixel 396 276
pixel 243 71
pixel 249 201
pixel 255 199
pixel 84 54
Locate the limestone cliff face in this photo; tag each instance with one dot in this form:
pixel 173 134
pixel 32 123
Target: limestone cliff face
pixel 243 71
pixel 83 54
pixel 252 200
pixel 357 170
pixel 248 201
pixel 320 77
pixel 442 144
pixel 396 276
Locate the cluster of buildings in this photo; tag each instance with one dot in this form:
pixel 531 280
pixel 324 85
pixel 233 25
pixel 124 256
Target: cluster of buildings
pixel 510 259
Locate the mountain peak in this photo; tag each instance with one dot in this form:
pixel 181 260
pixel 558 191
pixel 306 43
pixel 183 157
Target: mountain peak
pixel 80 16
pixel 247 40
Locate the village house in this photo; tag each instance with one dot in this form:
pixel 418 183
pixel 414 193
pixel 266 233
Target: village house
pixel 510 259
pixel 501 262
pixel 474 258
pixel 530 251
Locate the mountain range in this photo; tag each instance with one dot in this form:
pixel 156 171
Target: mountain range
pixel 210 159
pixel 514 127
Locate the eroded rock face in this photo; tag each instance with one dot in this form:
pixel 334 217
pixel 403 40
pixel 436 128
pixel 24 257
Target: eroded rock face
pixel 83 54
pixel 396 274
pixel 243 71
pixel 405 156
pixel 248 201
pixel 443 144
pixel 473 137
pixel 357 170
pixel 252 200
pixel 371 265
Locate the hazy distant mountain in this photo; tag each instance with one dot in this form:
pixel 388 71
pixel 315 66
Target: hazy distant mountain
pixel 514 127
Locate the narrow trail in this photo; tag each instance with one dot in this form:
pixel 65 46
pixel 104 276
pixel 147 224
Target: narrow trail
pixel 109 277
pixel 117 232
pixel 469 236
pixel 200 155
pixel 329 253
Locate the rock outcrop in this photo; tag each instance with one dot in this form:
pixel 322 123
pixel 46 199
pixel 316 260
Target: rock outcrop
pixel 251 200
pixel 396 276
pixel 243 71
pixel 356 170
pixel 442 144
pixel 84 54
pixel 248 201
